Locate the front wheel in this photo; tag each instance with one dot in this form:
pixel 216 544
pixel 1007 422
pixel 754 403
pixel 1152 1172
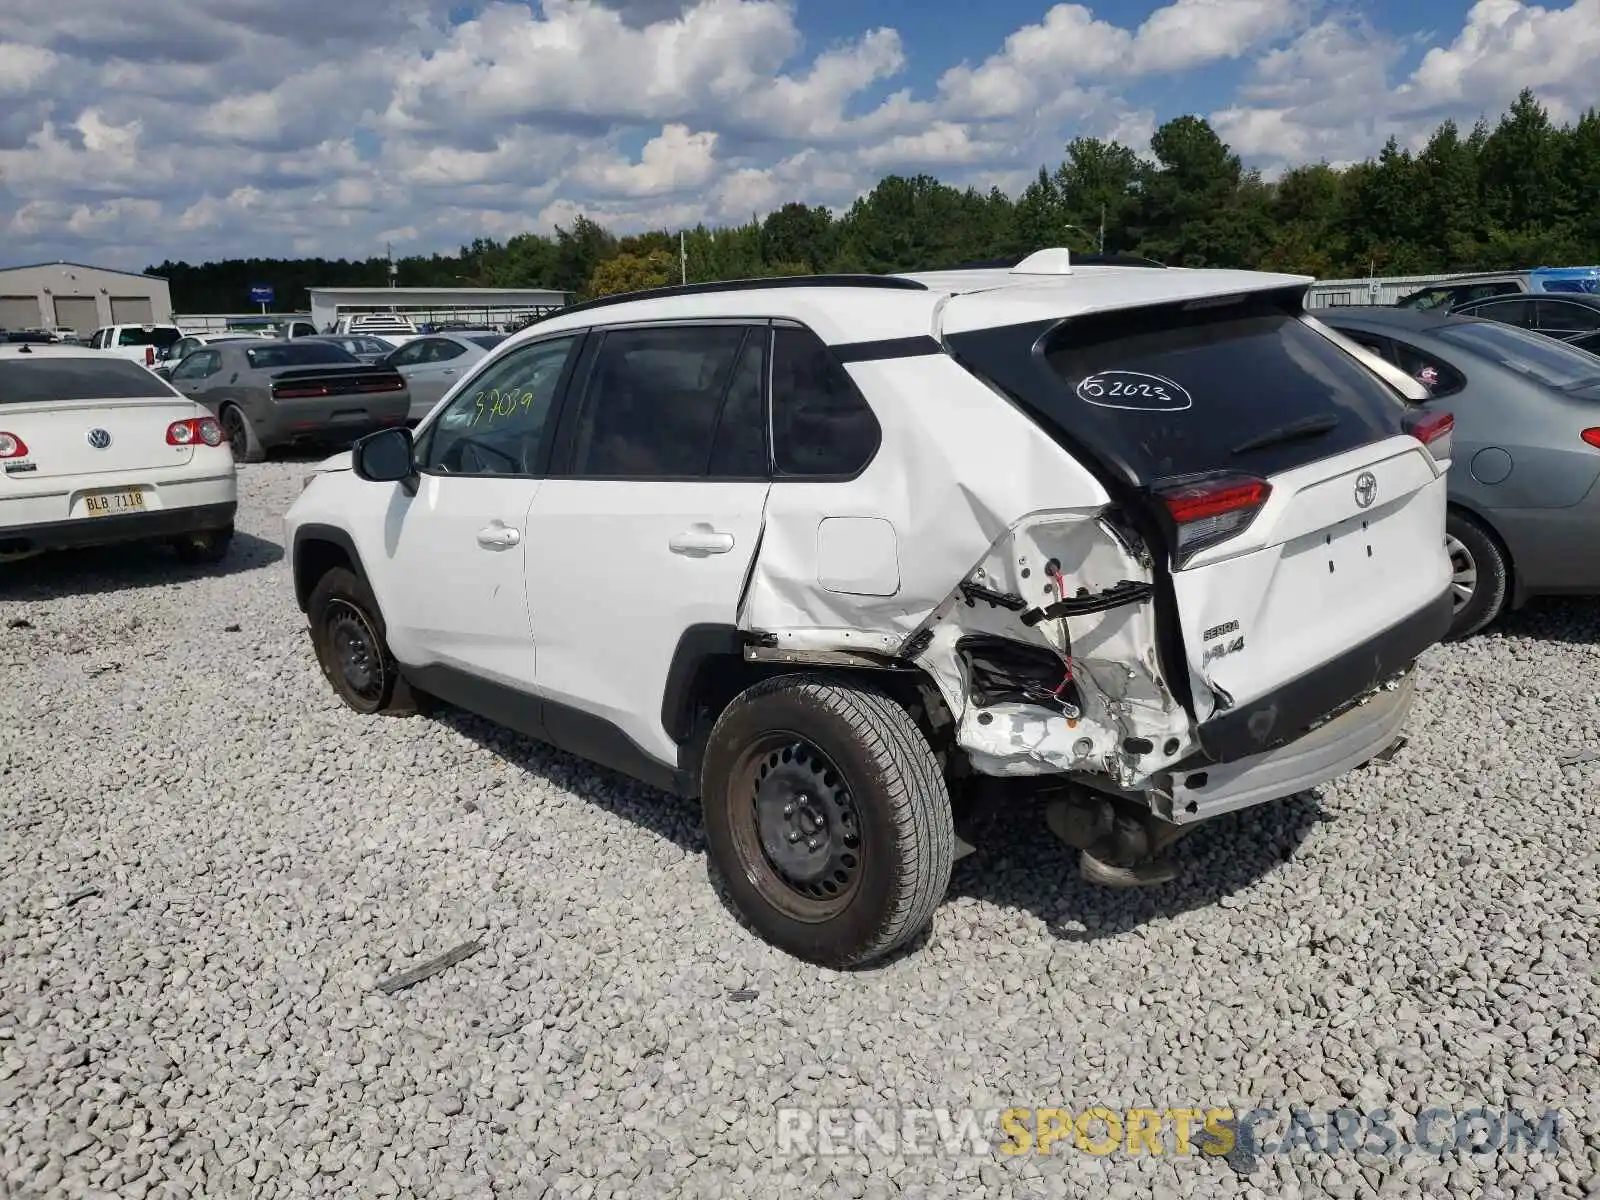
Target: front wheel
pixel 348 634
pixel 827 818
pixel 1479 575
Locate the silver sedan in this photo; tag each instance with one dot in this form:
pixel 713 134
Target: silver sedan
pixel 1525 481
pixel 432 364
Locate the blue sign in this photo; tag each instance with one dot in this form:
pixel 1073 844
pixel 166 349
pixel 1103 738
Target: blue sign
pixel 261 293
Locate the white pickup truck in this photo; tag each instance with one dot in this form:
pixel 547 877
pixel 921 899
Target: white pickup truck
pixel 145 344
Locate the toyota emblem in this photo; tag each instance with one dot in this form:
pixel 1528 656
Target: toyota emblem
pixel 1366 489
pixel 99 439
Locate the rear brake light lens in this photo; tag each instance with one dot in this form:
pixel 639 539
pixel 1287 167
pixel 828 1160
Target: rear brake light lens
pixel 1210 511
pixel 149 356
pixel 1592 436
pixel 200 429
pixel 11 446
pixel 1434 430
pixel 299 391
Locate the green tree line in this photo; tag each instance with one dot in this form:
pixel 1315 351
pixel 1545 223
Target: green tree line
pixel 1521 192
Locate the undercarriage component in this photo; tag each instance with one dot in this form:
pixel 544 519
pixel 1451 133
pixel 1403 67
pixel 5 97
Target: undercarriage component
pixel 1123 844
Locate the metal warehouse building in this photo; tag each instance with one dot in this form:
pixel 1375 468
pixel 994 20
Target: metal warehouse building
pixel 81 298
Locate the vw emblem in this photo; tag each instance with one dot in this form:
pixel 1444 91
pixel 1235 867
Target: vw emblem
pixel 1366 489
pixel 99 439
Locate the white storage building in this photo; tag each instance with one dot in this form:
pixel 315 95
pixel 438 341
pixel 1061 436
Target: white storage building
pixel 64 295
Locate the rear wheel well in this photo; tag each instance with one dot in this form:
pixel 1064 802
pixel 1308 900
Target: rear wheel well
pixel 314 558
pixel 717 679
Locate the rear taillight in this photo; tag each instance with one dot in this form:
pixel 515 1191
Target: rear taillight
pixel 149 356
pixel 1433 430
pixel 1209 511
pixel 1592 436
pixel 299 391
pixel 11 446
pixel 197 429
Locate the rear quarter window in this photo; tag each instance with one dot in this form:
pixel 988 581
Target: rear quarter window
pixel 41 380
pixel 298 354
pixel 1179 391
pixel 160 335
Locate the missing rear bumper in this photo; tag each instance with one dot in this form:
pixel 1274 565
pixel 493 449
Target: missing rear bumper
pixel 1368 731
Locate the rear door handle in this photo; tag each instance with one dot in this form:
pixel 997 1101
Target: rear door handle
pixel 697 541
pixel 498 537
pixel 448 371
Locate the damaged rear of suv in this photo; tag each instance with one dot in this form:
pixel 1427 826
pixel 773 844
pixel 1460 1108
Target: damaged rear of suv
pixel 1152 543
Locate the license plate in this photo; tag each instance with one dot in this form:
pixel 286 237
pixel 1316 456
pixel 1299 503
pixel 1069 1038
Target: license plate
pixel 109 504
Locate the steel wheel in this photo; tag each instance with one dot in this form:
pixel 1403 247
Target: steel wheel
pixel 358 653
pixel 1463 572
pixel 797 831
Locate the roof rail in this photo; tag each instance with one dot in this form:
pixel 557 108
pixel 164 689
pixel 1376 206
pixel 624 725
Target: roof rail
pixel 889 282
pixel 1078 260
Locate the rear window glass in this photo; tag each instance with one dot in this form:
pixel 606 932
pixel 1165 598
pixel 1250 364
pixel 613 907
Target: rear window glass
pixel 487 341
pixel 1184 391
pixel 160 335
pixel 298 354
pixel 33 381
pixel 1545 359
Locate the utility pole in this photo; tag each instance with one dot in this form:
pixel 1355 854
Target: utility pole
pixel 683 259
pixel 394 271
pixel 1102 249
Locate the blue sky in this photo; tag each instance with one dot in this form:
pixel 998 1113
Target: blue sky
pixel 200 129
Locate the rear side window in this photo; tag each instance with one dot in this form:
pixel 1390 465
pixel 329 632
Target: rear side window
pixel 1508 312
pixel 822 427
pixel 39 380
pixel 1438 376
pixel 654 396
pixel 1172 392
pixel 160 335
pixel 1545 359
pixel 1567 316
pixel 298 354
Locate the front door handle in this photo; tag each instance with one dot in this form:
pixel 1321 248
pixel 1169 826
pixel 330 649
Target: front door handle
pixel 699 540
pixel 448 371
pixel 498 537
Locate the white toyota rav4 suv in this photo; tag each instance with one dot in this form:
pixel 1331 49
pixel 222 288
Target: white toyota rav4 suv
pixel 821 551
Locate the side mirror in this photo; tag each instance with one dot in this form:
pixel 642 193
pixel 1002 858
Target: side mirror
pixel 384 457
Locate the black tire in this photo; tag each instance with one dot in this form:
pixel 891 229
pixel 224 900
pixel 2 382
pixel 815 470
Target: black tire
pixel 241 435
pixel 207 546
pixel 870 805
pixel 348 634
pixel 1481 575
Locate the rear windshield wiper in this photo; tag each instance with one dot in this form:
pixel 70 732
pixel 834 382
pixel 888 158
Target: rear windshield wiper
pixel 1306 427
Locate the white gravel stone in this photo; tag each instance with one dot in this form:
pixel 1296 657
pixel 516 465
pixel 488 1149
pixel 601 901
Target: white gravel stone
pixel 205 1024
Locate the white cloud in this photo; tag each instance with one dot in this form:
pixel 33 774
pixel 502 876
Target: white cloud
pixel 673 162
pixel 1331 93
pixel 208 128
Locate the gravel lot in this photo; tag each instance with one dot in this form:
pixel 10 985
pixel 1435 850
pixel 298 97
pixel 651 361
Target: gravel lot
pixel 206 1022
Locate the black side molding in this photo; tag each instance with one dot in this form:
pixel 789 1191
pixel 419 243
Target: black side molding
pixel 699 645
pixel 1283 715
pixel 589 737
pixel 308 566
pixel 907 347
